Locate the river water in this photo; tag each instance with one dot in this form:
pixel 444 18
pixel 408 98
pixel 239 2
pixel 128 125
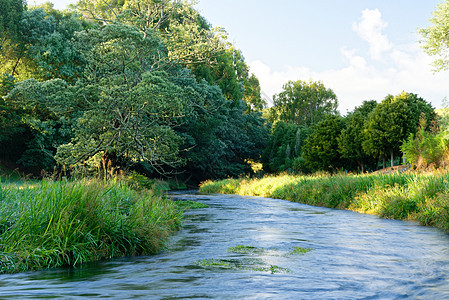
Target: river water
pixel 345 255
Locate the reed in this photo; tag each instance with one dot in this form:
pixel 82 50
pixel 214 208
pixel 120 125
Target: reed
pixel 52 224
pixel 421 197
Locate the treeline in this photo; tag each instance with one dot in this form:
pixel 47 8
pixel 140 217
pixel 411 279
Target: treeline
pixel 309 135
pixel 145 85
pixel 151 86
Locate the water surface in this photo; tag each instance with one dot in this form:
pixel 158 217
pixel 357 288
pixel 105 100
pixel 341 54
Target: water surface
pixel 353 256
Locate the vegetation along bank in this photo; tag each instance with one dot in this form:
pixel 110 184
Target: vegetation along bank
pixel 420 197
pixel 51 224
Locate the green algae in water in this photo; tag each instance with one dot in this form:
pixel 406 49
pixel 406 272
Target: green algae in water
pixel 272 269
pixel 248 264
pixel 300 250
pixel 215 263
pixel 187 204
pixel 246 249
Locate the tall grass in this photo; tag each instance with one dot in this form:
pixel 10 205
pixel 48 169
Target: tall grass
pixel 55 224
pixel 406 196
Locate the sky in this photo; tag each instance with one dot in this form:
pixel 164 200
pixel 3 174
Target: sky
pixel 361 49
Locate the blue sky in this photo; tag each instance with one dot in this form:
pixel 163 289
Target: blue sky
pixel 362 49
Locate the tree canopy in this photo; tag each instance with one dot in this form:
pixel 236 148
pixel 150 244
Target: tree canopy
pixel 120 83
pixel 435 37
pixel 391 122
pixel 352 136
pixel 304 103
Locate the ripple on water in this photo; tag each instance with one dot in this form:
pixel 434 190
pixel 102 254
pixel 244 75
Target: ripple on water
pixel 353 256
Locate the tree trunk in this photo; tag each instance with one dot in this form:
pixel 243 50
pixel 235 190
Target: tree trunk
pixel 361 166
pixel 384 162
pixel 392 158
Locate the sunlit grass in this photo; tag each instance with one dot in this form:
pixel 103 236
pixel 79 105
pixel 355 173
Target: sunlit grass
pixel 406 196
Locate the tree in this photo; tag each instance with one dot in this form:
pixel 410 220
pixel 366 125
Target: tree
pixel 55 53
pixel 187 36
pixel 284 147
pixel 304 103
pixel 426 148
pixel 219 137
pixel 391 122
pixel 435 38
pixel 132 105
pixel 10 15
pixel 352 136
pixel 40 114
pixel 321 148
pixel 252 95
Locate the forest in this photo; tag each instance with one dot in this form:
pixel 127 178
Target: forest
pixel 151 87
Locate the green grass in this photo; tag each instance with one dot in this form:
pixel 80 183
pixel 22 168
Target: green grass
pixel 52 224
pixel 406 196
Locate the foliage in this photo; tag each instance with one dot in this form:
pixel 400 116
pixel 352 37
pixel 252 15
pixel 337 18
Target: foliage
pixel 304 103
pixel 69 223
pixel 117 88
pixel 43 122
pixel 392 121
pixel 10 16
pixel 219 137
pixel 189 39
pixel 352 136
pixel 435 38
pixel 321 148
pixel 408 196
pixel 285 147
pixel 140 182
pixel 35 125
pixel 426 148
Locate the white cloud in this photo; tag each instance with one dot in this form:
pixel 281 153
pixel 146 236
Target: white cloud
pixel 404 68
pixel 370 29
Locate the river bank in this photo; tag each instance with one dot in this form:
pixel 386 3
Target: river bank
pixel 422 197
pixel 46 224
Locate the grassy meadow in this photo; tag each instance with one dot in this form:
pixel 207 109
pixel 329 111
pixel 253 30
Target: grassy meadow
pixel 422 197
pixel 58 223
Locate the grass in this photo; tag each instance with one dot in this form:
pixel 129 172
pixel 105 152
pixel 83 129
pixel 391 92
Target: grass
pixel 52 224
pixel 406 196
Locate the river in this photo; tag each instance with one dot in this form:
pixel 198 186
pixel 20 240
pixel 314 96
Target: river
pixel 287 251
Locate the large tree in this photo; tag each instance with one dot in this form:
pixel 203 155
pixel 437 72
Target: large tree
pixel 304 103
pixel 352 136
pixel 436 38
pixel 321 148
pixel 391 122
pixel 188 37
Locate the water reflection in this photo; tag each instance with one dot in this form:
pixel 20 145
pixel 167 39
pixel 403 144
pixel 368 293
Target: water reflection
pixel 353 256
